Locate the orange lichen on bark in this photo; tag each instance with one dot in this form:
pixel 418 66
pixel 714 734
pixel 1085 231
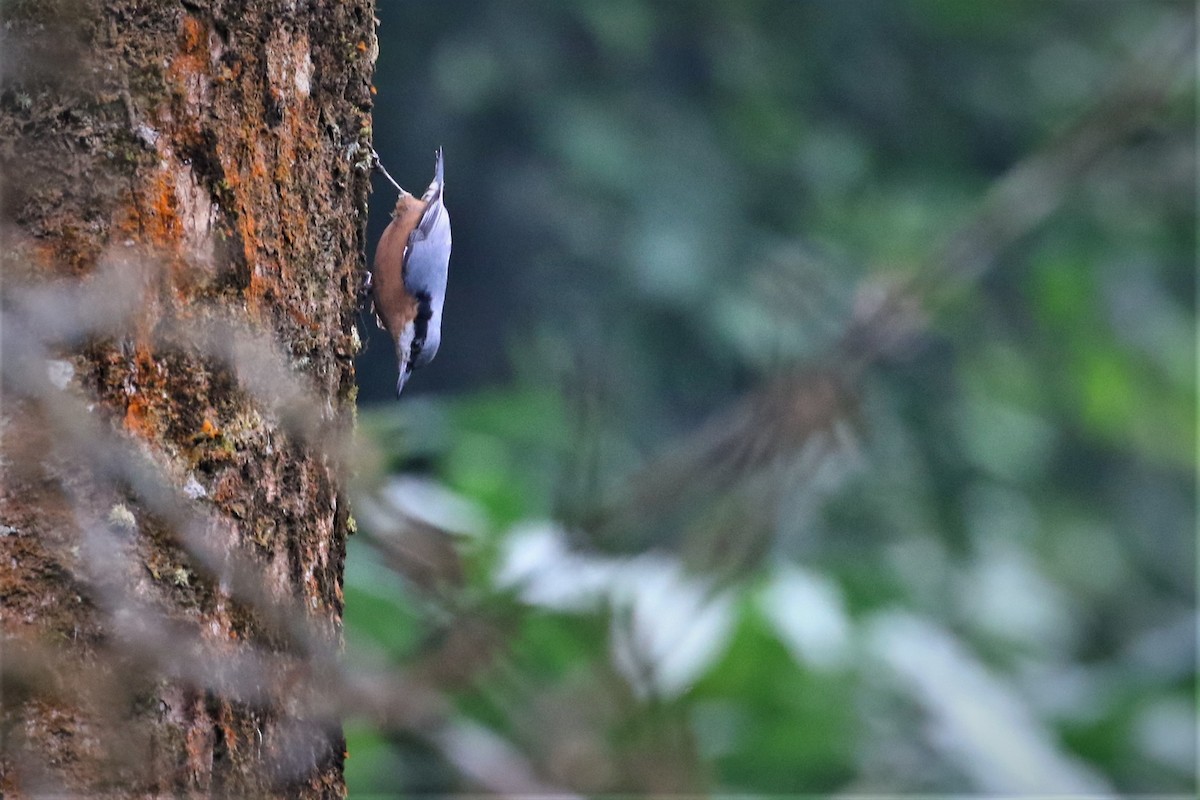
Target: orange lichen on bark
pixel 150 217
pixel 198 747
pixel 245 175
pixel 141 414
pixel 157 213
pixel 137 418
pixel 191 59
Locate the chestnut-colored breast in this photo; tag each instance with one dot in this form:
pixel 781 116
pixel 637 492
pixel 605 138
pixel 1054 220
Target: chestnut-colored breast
pixel 393 304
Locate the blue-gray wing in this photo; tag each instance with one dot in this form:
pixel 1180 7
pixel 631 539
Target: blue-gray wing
pixel 426 267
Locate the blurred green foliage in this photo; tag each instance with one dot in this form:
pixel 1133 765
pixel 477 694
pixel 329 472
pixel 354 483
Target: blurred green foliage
pixel 660 207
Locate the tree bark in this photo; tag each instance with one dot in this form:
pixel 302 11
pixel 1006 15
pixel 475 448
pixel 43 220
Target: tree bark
pixel 184 197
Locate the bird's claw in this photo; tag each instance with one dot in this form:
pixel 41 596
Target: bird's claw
pixel 377 165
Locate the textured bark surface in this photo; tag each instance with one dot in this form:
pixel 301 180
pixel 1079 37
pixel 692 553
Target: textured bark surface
pixel 214 151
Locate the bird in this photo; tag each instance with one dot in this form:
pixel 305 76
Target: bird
pixel 408 281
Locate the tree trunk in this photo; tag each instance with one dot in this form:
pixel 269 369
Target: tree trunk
pixel 183 216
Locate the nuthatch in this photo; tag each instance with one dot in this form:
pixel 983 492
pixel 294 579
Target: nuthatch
pixel 409 281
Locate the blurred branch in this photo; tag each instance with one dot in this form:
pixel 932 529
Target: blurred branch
pixel 1028 193
pixel 773 424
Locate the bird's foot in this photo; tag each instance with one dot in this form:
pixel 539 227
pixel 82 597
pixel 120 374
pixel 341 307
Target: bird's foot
pixel 376 164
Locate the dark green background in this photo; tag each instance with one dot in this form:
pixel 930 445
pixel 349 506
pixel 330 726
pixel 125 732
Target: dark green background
pixel 659 207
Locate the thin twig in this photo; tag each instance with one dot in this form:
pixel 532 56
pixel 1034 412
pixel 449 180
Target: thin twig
pixel 377 164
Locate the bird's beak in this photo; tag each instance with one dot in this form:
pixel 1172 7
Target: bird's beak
pixel 403 379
